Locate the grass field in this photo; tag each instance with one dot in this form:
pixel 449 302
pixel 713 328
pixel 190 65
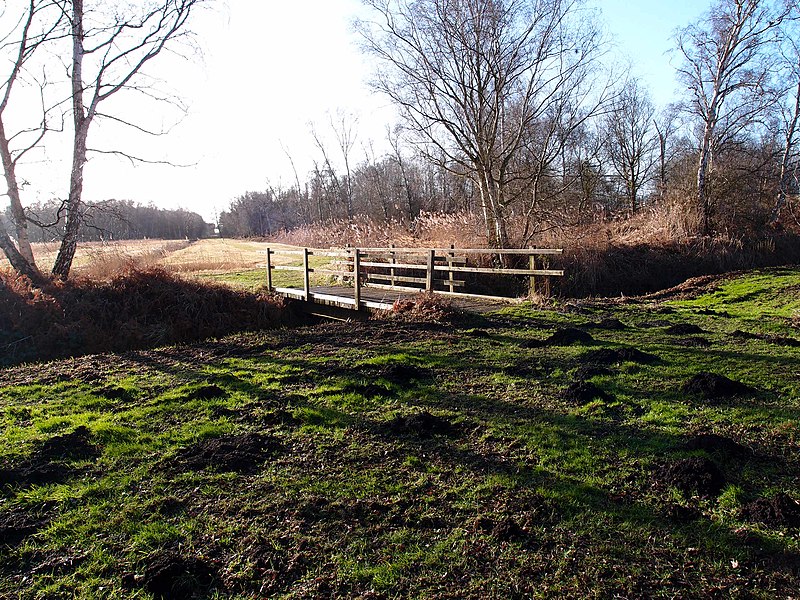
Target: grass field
pixel 238 263
pixel 586 450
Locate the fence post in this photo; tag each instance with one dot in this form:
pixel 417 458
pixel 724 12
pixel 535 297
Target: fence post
pixel 429 278
pixel 357 278
pixel 269 270
pixel 532 288
pixel 306 286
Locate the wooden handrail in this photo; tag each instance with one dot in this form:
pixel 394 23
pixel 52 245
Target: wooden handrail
pixel 433 257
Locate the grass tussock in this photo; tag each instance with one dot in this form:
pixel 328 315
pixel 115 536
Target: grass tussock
pixel 135 309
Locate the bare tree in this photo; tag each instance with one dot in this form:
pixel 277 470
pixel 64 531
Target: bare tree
pixel 471 77
pixel 39 23
pixel 666 125
pixel 111 47
pixel 727 62
pixel 789 112
pixel 629 140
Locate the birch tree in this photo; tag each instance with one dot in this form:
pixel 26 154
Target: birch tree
pixel 38 24
pixel 112 44
pixel 728 59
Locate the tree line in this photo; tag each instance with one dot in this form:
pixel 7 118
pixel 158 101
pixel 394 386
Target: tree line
pixel 115 220
pixel 510 109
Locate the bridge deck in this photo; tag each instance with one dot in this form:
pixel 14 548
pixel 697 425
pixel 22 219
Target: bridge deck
pixel 384 299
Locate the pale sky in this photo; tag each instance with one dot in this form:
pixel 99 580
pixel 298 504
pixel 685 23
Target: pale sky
pixel 269 69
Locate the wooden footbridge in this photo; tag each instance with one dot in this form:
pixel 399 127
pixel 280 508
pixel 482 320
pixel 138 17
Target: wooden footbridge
pixel 376 278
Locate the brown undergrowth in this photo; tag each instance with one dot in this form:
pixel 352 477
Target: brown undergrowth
pixel 136 309
pixel 636 255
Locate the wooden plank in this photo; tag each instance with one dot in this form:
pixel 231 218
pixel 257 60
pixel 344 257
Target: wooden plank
pixel 384 265
pixel 523 251
pixel 500 271
pixel 404 279
pixel 335 253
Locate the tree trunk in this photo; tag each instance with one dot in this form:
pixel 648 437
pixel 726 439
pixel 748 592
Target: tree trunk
pixel 18 262
pixel 703 201
pixel 17 212
pixel 82 120
pixel 787 153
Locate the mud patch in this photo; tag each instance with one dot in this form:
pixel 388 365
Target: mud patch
pixel 583 392
pixel 680 514
pixel 19 523
pixel 207 392
pixel 568 336
pixel 238 453
pixel 422 424
pixel 113 392
pixel 711 386
pixel 478 333
pixel 71 446
pixel 403 374
pixel 778 340
pixel 778 511
pixel 46 464
pixel 609 324
pixel 170 576
pixel 508 530
pixel 684 329
pixel 717 444
pixel 588 371
pixel 613 356
pixel 696 475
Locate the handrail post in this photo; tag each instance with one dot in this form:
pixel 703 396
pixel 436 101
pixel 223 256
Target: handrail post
pixel 269 269
pixel 546 261
pixel 429 273
pixel 450 281
pixel 306 285
pixel 532 264
pixel 393 260
pixel 357 279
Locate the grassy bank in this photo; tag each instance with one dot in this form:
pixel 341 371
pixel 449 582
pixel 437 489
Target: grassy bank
pixel 568 452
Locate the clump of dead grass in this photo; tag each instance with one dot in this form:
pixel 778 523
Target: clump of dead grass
pixel 423 307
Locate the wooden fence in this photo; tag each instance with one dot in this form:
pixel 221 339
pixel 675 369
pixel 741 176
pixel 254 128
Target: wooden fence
pixel 436 270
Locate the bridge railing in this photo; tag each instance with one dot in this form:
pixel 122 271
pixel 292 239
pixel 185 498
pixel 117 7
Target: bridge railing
pixel 436 270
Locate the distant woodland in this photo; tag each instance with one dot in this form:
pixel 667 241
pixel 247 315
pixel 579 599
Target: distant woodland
pixel 116 220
